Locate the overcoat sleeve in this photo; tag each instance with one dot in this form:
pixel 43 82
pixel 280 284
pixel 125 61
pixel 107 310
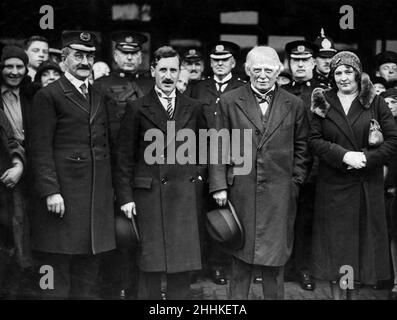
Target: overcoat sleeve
pixel 126 149
pixel 43 125
pixel 331 153
pixel 301 157
pixel 380 155
pixel 217 170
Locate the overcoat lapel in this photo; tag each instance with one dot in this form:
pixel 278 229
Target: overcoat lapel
pixel 71 93
pixel 183 111
pixel 247 104
pixel 337 115
pixel 280 108
pixel 154 111
pixel 95 98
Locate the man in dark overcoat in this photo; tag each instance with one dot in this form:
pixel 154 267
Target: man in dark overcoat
pixel 161 191
pixel 265 199
pixel 74 220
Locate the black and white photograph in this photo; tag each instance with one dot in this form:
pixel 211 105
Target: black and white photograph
pixel 198 150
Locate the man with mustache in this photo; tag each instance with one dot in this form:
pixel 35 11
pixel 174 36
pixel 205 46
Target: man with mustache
pixel 73 220
pixel 36 48
pixel 209 91
pixel 323 59
pixel 193 62
pixel 301 55
pixel 162 195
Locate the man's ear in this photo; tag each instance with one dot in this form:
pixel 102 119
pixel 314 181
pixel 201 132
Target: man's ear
pixel 377 73
pixel 247 69
pixel 152 71
pixel 233 62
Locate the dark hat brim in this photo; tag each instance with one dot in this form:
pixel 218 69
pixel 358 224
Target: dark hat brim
pixel 127 235
pixel 224 226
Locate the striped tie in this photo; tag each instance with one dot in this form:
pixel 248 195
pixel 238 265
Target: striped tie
pixel 170 108
pixel 84 90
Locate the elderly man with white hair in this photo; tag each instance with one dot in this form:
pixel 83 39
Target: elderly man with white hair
pixel 265 199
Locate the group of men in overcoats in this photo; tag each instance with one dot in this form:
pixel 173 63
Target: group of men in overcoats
pixel 88 160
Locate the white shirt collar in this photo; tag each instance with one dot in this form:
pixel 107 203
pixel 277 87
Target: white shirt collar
pixel 76 82
pixel 162 94
pixel 263 94
pixel 225 79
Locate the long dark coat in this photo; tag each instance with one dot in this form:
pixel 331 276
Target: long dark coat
pixel 70 156
pixel 265 199
pixel 165 194
pixel 350 222
pixel 13 215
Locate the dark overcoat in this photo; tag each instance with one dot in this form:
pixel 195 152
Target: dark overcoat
pixel 70 156
pixel 349 221
pixel 265 199
pixel 165 194
pixel 206 92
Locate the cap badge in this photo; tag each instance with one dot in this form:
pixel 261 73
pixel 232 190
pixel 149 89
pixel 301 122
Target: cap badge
pixel 326 44
pixel 129 39
pixel 192 52
pixel 301 48
pixel 219 48
pixel 85 36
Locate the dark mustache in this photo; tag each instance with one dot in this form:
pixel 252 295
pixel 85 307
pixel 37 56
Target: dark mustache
pixel 167 81
pixel 84 68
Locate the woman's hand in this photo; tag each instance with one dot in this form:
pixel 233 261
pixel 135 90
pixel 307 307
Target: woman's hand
pixel 355 160
pixel 12 176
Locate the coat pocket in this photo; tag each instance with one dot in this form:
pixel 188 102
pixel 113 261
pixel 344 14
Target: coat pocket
pixel 142 183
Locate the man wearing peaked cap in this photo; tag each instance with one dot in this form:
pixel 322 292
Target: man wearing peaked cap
pixel 325 53
pixel 387 66
pixel 121 86
pixel 73 221
pixel 193 62
pixel 301 55
pixel 209 91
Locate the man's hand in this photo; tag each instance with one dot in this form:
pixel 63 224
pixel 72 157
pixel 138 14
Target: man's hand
pixel 220 197
pixel 129 209
pixel 55 204
pixel 356 160
pixel 12 176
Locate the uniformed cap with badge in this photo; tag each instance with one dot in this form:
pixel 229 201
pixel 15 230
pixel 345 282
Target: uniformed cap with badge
pixel 301 49
pixel 326 47
pixel 79 40
pixel 129 41
pixel 224 50
pixel 192 55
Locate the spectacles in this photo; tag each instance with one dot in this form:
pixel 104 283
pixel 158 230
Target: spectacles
pixel 79 56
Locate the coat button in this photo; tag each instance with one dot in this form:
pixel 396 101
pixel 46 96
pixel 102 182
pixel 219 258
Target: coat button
pixel 257 131
pixel 164 180
pixel 192 179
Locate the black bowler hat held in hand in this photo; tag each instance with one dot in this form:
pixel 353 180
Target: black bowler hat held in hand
pixel 224 226
pixel 127 235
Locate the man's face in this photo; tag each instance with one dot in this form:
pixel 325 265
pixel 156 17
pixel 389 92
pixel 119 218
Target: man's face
pixel 13 72
pixel 128 61
pixel 222 67
pixel 388 71
pixel 392 103
pixel 79 63
pixel 37 53
pixel 302 68
pixel 263 72
pixel 195 69
pixel 49 76
pixel 379 88
pixel 166 74
pixel 323 65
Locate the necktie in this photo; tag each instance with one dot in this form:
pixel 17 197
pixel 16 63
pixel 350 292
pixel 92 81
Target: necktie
pixel 267 97
pixel 84 90
pixel 170 108
pixel 221 86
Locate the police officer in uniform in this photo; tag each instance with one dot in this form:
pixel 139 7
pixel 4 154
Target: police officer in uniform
pixel 323 59
pixel 120 87
pixel 208 91
pixel 301 55
pixel 193 62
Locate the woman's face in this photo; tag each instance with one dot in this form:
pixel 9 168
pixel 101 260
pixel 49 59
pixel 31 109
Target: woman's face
pixel 345 79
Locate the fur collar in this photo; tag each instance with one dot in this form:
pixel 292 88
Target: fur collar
pixel 321 106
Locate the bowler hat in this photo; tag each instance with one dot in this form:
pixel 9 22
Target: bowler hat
pixel 386 57
pixel 223 225
pixel 127 235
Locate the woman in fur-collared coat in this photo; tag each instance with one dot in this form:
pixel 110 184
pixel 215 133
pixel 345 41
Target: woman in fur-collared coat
pixel 350 223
